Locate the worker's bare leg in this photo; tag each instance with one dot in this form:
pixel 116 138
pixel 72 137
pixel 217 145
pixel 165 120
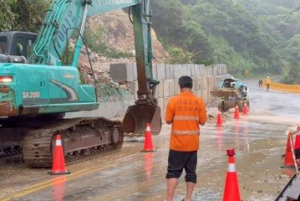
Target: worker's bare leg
pixel 171 186
pixel 189 191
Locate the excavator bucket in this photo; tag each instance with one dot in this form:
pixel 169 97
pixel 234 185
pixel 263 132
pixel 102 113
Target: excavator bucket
pixel 137 116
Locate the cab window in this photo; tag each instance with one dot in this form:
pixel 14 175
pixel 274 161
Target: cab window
pixel 3 45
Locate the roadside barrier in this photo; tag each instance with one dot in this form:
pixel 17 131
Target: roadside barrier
pixel 284 87
pixel 231 190
pixel 59 166
pixel 219 119
pixel 148 144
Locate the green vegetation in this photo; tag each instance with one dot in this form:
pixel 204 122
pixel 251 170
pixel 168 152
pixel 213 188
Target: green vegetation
pixel 251 36
pixel 22 15
pixel 248 35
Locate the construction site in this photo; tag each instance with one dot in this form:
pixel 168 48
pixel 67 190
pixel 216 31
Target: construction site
pixel 79 125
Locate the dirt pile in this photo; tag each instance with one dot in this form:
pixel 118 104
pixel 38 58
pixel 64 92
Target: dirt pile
pixel 117 33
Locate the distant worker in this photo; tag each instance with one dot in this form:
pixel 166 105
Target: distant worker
pixel 267 82
pixel 260 82
pixel 185 112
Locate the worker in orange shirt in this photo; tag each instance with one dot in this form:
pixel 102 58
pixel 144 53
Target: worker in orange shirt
pixel 267 82
pixel 185 112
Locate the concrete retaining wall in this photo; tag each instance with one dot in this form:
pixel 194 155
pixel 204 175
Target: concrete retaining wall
pixel 205 78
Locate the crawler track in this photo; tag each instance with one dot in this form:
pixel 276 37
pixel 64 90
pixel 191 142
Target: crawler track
pixel 82 139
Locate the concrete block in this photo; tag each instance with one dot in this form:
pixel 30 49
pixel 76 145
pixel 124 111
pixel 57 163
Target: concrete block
pixel 220 69
pixel 134 69
pixel 212 82
pixel 223 69
pixel 176 87
pixel 199 70
pixel 156 91
pixel 180 70
pixel 166 100
pixel 194 84
pixel 215 69
pixel 202 83
pixel 160 102
pixel 203 95
pixel 202 70
pixel 172 88
pixel 193 70
pixel 169 71
pixel 133 86
pixel 166 85
pixel 121 72
pixel 161 72
pixel 186 70
pixel 154 71
pixel 176 71
pixel 160 89
pixel 209 71
pixel 208 83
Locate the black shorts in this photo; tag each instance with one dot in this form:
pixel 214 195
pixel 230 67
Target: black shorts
pixel 179 160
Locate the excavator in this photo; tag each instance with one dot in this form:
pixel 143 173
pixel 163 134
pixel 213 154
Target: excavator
pixel 37 88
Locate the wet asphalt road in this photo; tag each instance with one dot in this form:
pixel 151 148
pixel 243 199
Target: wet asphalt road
pixel 130 175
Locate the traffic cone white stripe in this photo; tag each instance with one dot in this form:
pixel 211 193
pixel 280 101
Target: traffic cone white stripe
pixel 58 143
pixel 231 167
pixel 148 128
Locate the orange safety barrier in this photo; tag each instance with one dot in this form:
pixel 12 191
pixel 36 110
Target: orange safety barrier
pixel 284 87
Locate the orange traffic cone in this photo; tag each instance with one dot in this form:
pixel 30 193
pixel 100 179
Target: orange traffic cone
pixel 288 158
pixel 245 109
pixel 297 149
pixel 236 113
pixel 58 166
pixel 219 119
pixel 148 144
pixel 231 191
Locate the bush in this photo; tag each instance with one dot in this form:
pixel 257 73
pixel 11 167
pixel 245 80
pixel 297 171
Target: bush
pixel 291 74
pixel 179 56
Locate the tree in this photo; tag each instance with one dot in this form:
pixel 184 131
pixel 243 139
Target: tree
pixel 6 15
pixel 22 15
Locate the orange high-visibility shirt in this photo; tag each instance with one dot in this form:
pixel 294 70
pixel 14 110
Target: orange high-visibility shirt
pixel 267 80
pixel 186 111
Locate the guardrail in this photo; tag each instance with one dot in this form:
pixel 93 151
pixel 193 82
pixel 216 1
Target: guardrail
pixel 284 87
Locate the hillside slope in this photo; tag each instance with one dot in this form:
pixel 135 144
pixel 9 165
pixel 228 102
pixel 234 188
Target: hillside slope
pixel 113 33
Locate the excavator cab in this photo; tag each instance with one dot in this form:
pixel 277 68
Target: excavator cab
pixel 144 111
pixel 17 43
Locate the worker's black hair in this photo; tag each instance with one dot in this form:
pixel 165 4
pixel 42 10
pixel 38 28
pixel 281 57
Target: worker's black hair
pixel 185 82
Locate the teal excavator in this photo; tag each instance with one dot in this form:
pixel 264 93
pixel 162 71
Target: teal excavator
pixel 37 89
